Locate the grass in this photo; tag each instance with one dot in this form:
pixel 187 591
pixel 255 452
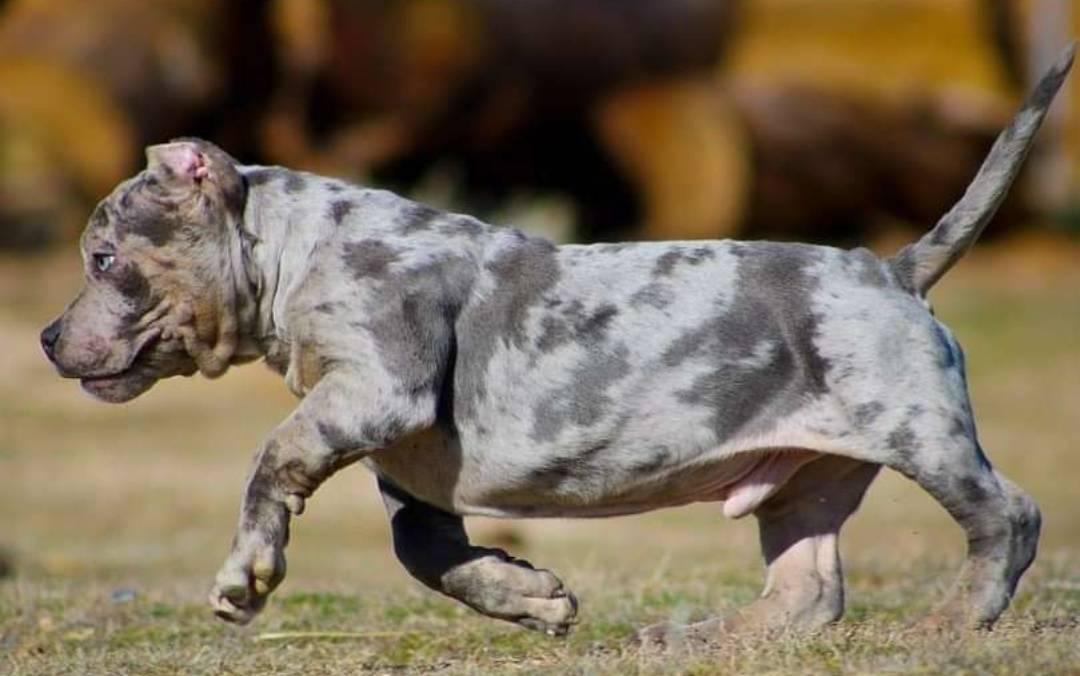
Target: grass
pixel 117 518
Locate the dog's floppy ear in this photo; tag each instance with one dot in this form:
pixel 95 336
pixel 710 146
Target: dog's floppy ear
pixel 181 163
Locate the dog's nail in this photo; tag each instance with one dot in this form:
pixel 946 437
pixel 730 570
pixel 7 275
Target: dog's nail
pixel 261 587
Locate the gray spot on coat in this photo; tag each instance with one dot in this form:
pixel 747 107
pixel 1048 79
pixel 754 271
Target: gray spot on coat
pixel 661 455
pixel 522 269
pixel 864 415
pixel 335 437
pixel 575 324
pixel 412 319
pixel 133 285
pixel 654 295
pixel 559 470
pixel 972 491
pixel 584 400
pixel 416 217
pixel 263 176
pixel 294 182
pixel 760 356
pixel 666 263
pixel 904 444
pixel 369 257
pixel 339 209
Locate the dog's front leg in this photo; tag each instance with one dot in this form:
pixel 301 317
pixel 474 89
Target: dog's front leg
pixel 341 420
pixel 434 548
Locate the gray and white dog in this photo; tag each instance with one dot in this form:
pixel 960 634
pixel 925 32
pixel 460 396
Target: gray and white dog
pixel 480 370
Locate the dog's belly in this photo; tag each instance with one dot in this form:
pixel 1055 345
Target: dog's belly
pixel 742 482
pixel 435 470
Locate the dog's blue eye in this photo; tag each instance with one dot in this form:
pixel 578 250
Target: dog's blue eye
pixel 103 261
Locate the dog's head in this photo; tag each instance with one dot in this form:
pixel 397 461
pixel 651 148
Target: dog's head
pixel 159 286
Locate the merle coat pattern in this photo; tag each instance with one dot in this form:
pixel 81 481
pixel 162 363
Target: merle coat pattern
pixel 480 370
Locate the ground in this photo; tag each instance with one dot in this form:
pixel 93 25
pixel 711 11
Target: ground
pixel 118 517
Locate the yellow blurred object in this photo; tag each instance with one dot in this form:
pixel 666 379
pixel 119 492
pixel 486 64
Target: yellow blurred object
pixel 686 150
pixel 886 48
pixel 69 117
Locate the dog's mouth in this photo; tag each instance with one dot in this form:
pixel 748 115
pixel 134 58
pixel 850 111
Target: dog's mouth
pixel 127 383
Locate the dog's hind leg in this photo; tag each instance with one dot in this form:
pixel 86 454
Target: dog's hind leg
pixel 799 529
pixel 434 548
pixel 1001 523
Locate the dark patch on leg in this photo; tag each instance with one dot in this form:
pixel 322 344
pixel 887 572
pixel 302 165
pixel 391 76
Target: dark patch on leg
pixel 904 444
pixel 260 488
pixel 972 490
pixel 960 427
pixel 382 434
pixel 948 357
pixel 335 437
pixel 369 258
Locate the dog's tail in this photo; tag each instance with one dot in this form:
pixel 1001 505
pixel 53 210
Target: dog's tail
pixel 919 265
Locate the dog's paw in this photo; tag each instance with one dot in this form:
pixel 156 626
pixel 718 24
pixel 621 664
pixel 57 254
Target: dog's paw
pixel 241 587
pixel 515 591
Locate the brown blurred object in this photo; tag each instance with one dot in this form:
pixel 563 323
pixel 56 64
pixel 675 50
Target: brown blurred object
pixel 829 165
pixel 655 118
pixel 83 86
pixel 812 128
pixel 506 92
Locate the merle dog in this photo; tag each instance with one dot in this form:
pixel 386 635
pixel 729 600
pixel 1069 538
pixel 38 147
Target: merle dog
pixel 479 370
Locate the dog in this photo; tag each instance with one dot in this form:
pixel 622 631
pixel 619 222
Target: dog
pixel 477 370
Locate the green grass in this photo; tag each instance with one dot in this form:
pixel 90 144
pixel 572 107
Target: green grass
pixel 55 628
pixel 143 497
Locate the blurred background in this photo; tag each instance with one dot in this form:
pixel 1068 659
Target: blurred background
pixel 836 121
pixel 612 119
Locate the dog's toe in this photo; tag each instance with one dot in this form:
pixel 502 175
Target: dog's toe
pixel 552 616
pixel 235 604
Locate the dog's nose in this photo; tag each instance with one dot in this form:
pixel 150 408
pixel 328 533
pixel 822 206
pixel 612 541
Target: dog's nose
pixel 48 339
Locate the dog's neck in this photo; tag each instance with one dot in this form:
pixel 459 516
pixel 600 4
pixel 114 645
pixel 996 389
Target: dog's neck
pixel 272 243
pixel 275 240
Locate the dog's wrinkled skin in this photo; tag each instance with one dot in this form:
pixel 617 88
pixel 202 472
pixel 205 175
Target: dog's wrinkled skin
pixel 477 370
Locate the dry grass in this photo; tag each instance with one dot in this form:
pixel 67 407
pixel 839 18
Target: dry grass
pixel 119 516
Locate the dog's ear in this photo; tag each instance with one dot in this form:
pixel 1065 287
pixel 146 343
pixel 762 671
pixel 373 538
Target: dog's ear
pixel 180 163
